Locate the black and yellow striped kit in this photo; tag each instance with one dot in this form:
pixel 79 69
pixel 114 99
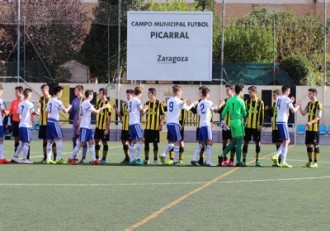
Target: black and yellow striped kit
pixel 124 117
pixel 43 110
pixel 255 116
pixel 104 115
pixel 314 109
pixel 153 114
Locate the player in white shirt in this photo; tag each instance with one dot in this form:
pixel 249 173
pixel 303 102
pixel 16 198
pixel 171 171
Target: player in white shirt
pixel 84 129
pixel 135 111
pixel 2 112
pixel 284 105
pixel 174 106
pixel 204 110
pixel 25 111
pixel 54 130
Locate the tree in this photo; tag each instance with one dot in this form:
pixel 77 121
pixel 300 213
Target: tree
pixel 55 29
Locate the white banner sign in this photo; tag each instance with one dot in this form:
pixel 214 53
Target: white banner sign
pixel 169 46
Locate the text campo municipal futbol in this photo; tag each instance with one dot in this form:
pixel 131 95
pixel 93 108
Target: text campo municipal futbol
pixel 169 34
pixel 172 59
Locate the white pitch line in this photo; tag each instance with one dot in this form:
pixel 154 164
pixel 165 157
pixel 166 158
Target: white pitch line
pixel 164 183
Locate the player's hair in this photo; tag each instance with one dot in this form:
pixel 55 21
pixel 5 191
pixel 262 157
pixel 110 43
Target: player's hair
pixel 277 92
pixel 19 89
pixel 79 87
pixel 252 88
pixel 104 91
pixel 201 87
pixel 238 89
pixel 88 93
pixel 313 90
pixel 1 87
pixel 137 90
pixel 205 91
pixel 176 89
pixel 57 89
pixel 44 86
pixel 230 86
pixel 285 88
pixel 130 91
pixel 26 92
pixel 152 90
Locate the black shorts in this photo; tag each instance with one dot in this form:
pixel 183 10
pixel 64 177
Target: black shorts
pixel 151 136
pixel 42 132
pixel 181 132
pixel 226 135
pixel 125 135
pixel 15 129
pixel 99 135
pixel 312 137
pixel 276 138
pixel 252 133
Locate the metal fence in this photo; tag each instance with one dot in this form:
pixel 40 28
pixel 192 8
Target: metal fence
pixel 38 40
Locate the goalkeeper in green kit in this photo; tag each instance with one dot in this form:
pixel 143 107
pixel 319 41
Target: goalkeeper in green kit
pixel 237 111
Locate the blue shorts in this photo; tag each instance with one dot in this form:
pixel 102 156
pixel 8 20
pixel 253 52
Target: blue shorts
pixel 25 134
pixel 1 132
pixel 135 132
pixel 54 131
pixel 85 135
pixel 174 134
pixel 205 133
pixel 283 130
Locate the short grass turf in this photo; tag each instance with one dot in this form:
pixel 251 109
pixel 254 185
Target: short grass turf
pixel 115 197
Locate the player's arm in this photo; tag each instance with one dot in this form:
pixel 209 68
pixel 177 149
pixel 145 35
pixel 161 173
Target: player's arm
pixel 190 106
pixel 162 116
pixel 108 120
pixel 118 113
pixel 304 111
pixel 318 115
pixel 97 111
pixel 143 110
pixel 292 108
pixel 261 115
pixel 224 111
pixel 243 109
pixel 65 109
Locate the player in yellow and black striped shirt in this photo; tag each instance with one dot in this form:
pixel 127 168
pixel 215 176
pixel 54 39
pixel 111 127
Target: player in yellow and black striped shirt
pixel 154 124
pixel 314 110
pixel 102 125
pixel 226 134
pixel 43 116
pixel 124 116
pixel 254 123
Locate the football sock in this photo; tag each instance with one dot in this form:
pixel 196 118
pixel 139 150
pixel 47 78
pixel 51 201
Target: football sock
pixel 105 152
pixel 171 154
pixel 168 148
pixel 239 143
pixel 232 154
pixel 44 148
pixel 49 150
pixel 208 154
pixel 228 148
pixel 16 145
pixel 75 151
pixel 84 151
pixel 92 151
pixel 18 150
pixel 125 148
pixel 176 150
pixel 197 152
pixel 97 151
pixel 310 152
pixel 74 142
pixel 155 155
pixel 26 148
pixel 131 152
pixel 257 156
pixel 155 151
pixel 284 154
pixel 146 155
pixel 1 151
pixel 138 150
pixel 201 153
pixel 279 150
pixel 54 149
pixel 181 153
pixel 316 154
pixel 59 149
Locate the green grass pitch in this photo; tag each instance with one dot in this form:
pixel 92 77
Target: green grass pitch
pixel 115 197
